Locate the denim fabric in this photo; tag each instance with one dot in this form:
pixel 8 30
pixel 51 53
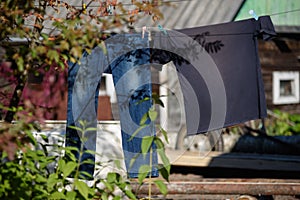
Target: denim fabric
pixel 127 57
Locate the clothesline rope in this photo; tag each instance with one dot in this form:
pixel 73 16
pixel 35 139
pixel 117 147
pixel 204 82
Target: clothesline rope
pixel 289 11
pixel 274 14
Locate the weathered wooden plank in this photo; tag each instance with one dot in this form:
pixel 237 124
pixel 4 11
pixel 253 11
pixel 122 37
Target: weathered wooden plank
pixel 235 186
pixel 235 160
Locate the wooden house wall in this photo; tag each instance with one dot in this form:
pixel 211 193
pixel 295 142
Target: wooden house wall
pixel 276 58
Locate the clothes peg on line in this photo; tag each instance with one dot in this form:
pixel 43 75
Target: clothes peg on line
pixel 144 29
pixel 252 12
pixel 162 29
pixel 149 35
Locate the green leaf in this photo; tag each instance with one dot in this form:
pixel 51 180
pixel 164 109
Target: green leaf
pixel 73 60
pixel 32 138
pixel 41 49
pixel 84 175
pixel 164 173
pixel 76 128
pixel 166 167
pixel 137 131
pixel 133 160
pixel 44 137
pixel 157 100
pixel 117 163
pixel 130 194
pixel 57 195
pixel 296 128
pixel 159 144
pixel 143 172
pixel 20 63
pixel 295 118
pixel 104 196
pixel 82 188
pixel 164 133
pixel 61 64
pixel 45 36
pixel 83 123
pixel 111 177
pixel 40 179
pixel 143 100
pixel 117 198
pixel 144 119
pixel 61 164
pixel 91 129
pixel 69 168
pixel 76 51
pixel 53 55
pixel 71 195
pixel 108 186
pixel 52 181
pixel 34 53
pixel 152 114
pixel 164 158
pixel 146 144
pixel 64 45
pixel 161 186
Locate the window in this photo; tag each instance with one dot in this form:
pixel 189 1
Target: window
pixel 286 87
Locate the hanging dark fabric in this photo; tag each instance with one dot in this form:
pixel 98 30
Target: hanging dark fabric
pixel 221 81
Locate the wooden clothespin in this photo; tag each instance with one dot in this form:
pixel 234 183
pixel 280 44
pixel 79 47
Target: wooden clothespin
pixel 144 29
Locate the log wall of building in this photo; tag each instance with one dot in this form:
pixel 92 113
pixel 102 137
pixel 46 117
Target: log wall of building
pixel 281 54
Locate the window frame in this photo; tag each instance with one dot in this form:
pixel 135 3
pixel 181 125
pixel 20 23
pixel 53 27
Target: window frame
pixel 285 76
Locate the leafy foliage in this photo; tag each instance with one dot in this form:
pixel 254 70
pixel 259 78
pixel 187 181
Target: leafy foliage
pixel 39 36
pixel 283 123
pixel 29 176
pixel 147 146
pixel 42 51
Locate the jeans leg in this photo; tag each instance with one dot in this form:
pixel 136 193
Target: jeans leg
pixel 133 85
pixel 83 85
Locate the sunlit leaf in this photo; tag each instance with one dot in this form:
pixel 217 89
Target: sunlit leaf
pixel 144 119
pixel 143 173
pixel 64 45
pixel 71 195
pixel 164 133
pixel 82 188
pixel 57 195
pixel 53 55
pixel 161 186
pixel 61 164
pixel 152 114
pixel 137 131
pixel 76 128
pixel 111 177
pixel 147 142
pixel 69 168
pixel 20 63
pixel 52 180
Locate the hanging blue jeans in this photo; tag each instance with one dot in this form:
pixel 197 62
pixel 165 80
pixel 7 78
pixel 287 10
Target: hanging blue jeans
pixel 127 57
pixel 219 75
